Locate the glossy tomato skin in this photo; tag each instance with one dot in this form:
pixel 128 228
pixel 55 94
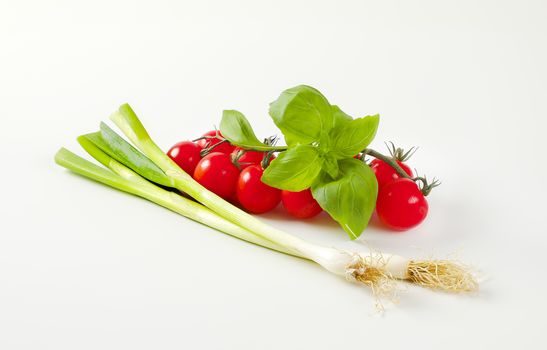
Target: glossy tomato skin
pixel 225 147
pixel 400 205
pixel 218 174
pixel 301 204
pixel 385 173
pixel 249 158
pixel 254 195
pixel 186 154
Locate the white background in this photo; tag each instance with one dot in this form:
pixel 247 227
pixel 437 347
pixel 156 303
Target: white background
pixel 86 267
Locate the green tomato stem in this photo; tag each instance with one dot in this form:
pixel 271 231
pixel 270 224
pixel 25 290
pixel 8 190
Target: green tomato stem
pixel 389 160
pixel 264 148
pixel 425 186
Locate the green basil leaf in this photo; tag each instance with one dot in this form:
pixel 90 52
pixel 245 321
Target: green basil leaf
pixel 330 165
pixel 294 169
pixel 302 114
pixel 350 138
pixel 237 129
pixel 291 139
pixel 339 116
pixel 350 199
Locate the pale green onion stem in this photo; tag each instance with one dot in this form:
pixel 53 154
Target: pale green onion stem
pixel 124 179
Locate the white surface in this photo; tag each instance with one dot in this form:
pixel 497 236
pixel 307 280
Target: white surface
pixel 86 267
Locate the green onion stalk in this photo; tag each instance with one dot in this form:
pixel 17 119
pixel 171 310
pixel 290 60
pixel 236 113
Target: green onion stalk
pixel 332 259
pixel 147 174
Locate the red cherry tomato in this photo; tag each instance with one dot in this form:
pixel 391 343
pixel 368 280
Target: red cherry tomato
pixel 300 204
pixel 218 174
pixel 225 147
pixel 254 195
pixel 233 198
pixel 401 205
pixel 186 154
pixel 249 158
pixel 385 173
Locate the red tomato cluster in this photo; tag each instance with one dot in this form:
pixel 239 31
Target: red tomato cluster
pixel 400 204
pixel 235 175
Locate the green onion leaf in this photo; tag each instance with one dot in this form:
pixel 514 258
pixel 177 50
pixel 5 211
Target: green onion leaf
pixel 71 161
pixel 116 147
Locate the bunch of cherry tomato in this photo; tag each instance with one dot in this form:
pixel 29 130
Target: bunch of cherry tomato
pixel 235 175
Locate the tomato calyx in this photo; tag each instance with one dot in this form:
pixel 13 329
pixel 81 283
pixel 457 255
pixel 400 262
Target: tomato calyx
pixel 211 148
pixel 213 141
pixel 399 155
pixel 244 158
pixel 424 185
pixel 268 157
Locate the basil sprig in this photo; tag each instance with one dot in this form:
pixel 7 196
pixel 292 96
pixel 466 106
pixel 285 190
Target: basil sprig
pixel 321 142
